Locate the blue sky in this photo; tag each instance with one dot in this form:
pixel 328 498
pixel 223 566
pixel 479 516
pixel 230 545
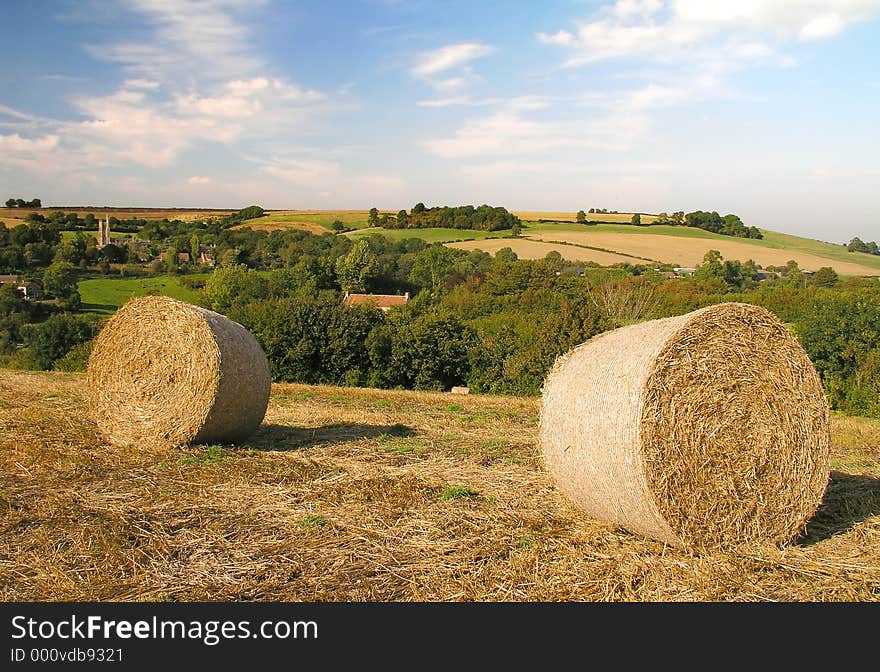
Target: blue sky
pixel 768 109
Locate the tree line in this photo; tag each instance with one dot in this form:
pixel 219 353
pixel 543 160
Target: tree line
pixel 480 218
pixel 856 245
pixel 21 203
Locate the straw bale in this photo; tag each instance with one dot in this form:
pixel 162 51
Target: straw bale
pixel 705 430
pixel 164 371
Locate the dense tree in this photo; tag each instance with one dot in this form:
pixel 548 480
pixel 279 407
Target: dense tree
pixel 52 339
pixel 431 266
pixel 232 284
pixel 581 216
pixel 636 219
pixel 357 268
pixel 60 282
pixel 373 217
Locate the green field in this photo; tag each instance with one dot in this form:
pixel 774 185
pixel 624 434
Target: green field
pixel 430 235
pixel 104 295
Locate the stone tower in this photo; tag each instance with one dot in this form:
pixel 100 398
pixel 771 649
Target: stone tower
pixel 103 232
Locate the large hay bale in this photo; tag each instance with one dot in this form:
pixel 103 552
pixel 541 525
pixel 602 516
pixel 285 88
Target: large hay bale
pixel 705 430
pixel 164 371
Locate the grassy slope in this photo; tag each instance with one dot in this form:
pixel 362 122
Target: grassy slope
pixel 104 295
pixel 348 494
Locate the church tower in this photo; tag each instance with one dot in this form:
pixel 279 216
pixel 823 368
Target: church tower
pixel 103 232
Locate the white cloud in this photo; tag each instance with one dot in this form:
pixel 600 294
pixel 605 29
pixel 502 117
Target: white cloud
pixel 210 37
pixel 15 144
pixel 453 55
pixel 509 133
pixel 641 28
pixel 199 180
pixel 822 26
pixel 139 83
pixel 303 171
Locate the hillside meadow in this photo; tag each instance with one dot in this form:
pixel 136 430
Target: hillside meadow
pixel 364 494
pixel 104 295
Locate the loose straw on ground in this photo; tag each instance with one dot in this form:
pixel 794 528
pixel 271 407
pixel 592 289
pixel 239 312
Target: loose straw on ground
pixel 705 430
pixel 163 371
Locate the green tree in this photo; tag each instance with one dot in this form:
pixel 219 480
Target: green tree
pixel 712 266
pixel 581 217
pixel 195 248
pixel 824 277
pixel 431 353
pixel 10 203
pixel 232 284
pixel 636 219
pixel 52 339
pixel 357 268
pixel 374 217
pixel 171 258
pixel 402 219
pixel 60 281
pixel 431 266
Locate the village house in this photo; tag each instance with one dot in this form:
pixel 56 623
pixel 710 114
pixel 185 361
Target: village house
pixel 383 302
pixel 29 290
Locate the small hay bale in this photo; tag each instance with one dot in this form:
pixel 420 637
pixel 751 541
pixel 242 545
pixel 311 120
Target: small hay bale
pixel 167 372
pixel 461 390
pixel 703 431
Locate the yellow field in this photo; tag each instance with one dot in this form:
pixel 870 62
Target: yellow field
pixel 533 249
pixel 611 217
pixel 185 214
pixel 260 225
pixel 689 251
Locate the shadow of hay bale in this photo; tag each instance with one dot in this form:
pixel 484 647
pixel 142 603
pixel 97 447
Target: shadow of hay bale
pixel 282 437
pixel 849 499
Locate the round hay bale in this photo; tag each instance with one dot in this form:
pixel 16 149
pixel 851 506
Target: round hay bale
pixel 164 371
pixel 706 430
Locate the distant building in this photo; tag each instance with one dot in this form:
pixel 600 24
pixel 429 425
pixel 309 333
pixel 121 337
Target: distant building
pixel 577 270
pixel 680 271
pixel 137 246
pixel 103 232
pixel 8 279
pixel 766 275
pixel 382 301
pixel 30 290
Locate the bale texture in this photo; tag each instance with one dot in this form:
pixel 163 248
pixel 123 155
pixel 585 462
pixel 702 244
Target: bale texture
pixel 164 371
pixel 706 430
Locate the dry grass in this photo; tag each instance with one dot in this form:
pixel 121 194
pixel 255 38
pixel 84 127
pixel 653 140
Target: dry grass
pixel 340 496
pixel 690 251
pixel 533 249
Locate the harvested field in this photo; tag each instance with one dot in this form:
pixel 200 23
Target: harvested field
pixel 534 249
pixel 186 214
pixel 685 251
pixel 267 224
pixel 355 494
pixel 616 217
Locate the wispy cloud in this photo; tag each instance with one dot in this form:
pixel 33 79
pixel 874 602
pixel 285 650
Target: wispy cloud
pixel 209 37
pixel 448 72
pixel 439 60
